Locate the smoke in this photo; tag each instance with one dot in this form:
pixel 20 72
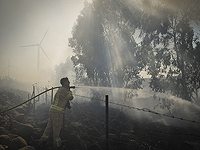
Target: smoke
pixel 9 83
pixel 64 70
pixel 172 5
pixel 143 105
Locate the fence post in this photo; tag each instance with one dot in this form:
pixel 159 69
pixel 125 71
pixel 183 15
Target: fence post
pixel 38 89
pixel 46 95
pixel 107 131
pixel 34 100
pixel 29 104
pixel 51 95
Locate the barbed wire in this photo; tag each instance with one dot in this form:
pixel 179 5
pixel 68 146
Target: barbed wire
pixel 122 105
pixel 147 110
pixel 153 112
pixel 88 121
pixel 103 138
pixel 142 109
pixel 118 104
pixel 92 124
pixel 86 135
pixel 28 100
pixel 169 133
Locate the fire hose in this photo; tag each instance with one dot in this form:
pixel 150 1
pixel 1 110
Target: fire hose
pixel 73 87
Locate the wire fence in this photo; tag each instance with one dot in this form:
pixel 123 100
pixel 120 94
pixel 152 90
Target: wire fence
pixel 149 111
pixel 143 109
pixel 93 125
pixel 80 108
pixel 117 104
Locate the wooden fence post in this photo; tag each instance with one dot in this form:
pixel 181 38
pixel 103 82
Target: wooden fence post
pixel 46 95
pixel 107 124
pixel 34 100
pixel 52 95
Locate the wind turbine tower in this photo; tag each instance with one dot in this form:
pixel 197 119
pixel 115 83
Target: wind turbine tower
pixel 8 68
pixel 39 48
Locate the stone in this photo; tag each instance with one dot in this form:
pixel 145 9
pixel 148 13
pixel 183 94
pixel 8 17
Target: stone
pixel 18 143
pixel 43 123
pixel 23 130
pixel 38 130
pixel 12 136
pixel 28 107
pixel 5 140
pixel 1 147
pixel 20 110
pixel 20 117
pixel 1 119
pixel 27 148
pixel 3 131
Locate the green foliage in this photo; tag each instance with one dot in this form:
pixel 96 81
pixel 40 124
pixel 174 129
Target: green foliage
pixel 107 54
pixel 105 51
pixel 168 38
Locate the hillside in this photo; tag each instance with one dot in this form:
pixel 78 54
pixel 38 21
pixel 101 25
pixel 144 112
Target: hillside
pixel 132 121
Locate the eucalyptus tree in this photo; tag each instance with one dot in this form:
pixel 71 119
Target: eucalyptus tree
pixel 105 51
pixel 170 44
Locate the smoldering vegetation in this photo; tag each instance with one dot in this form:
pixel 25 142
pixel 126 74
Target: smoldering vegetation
pixel 9 83
pixel 144 105
pixel 132 121
pixel 15 127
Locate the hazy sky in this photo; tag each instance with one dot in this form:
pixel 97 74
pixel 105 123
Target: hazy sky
pixel 25 22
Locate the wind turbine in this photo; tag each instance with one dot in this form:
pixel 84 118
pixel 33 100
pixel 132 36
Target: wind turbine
pixel 39 47
pixel 8 68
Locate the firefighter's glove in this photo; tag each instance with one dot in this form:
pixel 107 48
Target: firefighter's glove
pixel 68 105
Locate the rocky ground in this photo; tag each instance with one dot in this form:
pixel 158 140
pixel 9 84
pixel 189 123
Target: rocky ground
pixel 84 129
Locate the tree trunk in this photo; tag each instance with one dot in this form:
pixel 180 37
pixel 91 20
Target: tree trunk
pixel 185 94
pixel 180 63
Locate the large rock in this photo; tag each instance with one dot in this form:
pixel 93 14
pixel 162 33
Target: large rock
pixel 5 140
pixel 12 136
pixel 20 117
pixel 18 143
pixel 1 147
pixel 23 130
pixel 27 148
pixel 3 131
pixel 42 124
pixel 28 107
pixel 5 121
pixel 20 110
pixel 1 119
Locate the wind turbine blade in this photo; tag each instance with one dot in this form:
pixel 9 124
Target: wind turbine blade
pixel 29 45
pixel 6 68
pixel 44 36
pixel 45 53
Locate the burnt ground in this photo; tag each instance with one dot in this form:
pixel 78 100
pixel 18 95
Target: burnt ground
pixel 84 129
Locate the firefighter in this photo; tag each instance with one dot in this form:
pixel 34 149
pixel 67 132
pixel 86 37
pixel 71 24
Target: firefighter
pixel 56 112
